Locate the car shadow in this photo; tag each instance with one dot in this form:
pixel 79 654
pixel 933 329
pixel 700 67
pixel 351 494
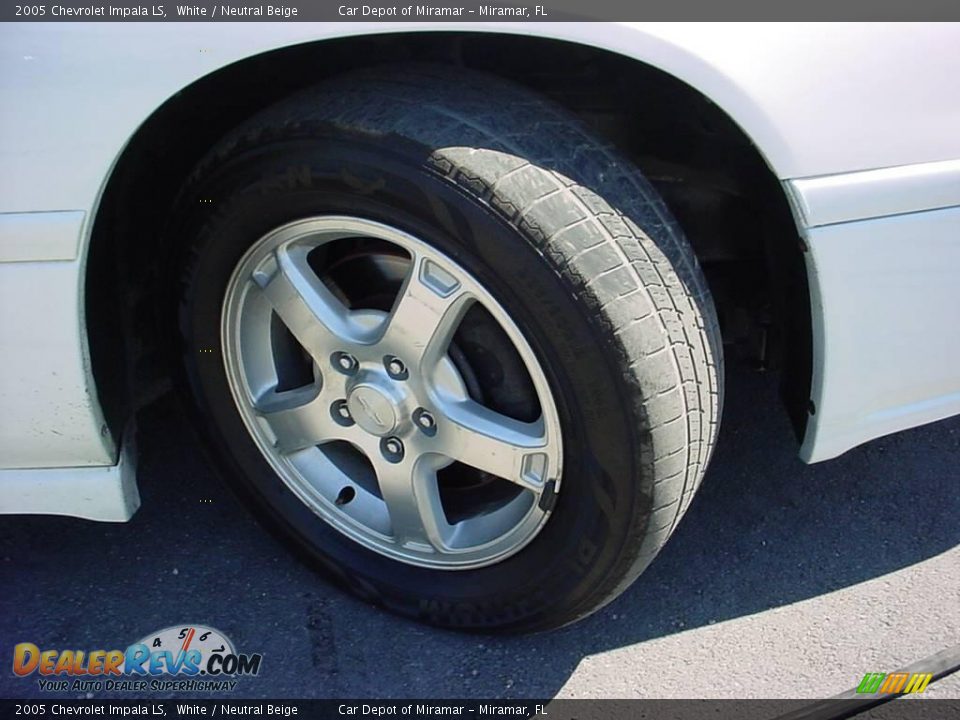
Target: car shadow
pixel 764 531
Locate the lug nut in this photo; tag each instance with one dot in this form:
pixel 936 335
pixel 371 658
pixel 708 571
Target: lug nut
pixel 341 413
pixel 392 449
pixel 425 422
pixel 395 367
pixel 344 362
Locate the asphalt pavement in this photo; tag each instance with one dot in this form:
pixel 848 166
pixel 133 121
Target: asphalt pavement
pixel 783 581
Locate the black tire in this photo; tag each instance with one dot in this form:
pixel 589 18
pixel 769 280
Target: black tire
pixel 565 233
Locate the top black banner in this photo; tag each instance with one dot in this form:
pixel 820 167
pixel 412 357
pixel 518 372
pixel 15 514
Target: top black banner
pixel 453 12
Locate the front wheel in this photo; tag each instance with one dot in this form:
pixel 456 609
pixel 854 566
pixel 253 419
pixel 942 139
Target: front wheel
pixel 466 361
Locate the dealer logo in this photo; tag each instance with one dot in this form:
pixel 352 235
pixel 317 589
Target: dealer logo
pixel 183 652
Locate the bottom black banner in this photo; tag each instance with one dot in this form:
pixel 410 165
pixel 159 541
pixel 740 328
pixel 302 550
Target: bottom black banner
pixel 474 709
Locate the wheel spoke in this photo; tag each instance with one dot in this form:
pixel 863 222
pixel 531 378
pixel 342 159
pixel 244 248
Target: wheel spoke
pixel 410 491
pixel 426 314
pixel 319 321
pixel 497 444
pixel 299 419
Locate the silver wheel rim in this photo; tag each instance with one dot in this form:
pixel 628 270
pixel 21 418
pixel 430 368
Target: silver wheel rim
pixel 383 383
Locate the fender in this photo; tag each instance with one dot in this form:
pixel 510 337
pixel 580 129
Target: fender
pixel 814 103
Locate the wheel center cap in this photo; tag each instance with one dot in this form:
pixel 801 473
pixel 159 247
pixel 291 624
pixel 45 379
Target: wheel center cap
pixel 373 409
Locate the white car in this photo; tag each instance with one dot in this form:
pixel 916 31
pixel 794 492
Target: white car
pixel 450 303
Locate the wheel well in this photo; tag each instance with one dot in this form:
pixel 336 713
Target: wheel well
pixel 713 178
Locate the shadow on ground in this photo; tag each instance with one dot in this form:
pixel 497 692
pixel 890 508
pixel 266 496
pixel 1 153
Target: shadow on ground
pixel 765 531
